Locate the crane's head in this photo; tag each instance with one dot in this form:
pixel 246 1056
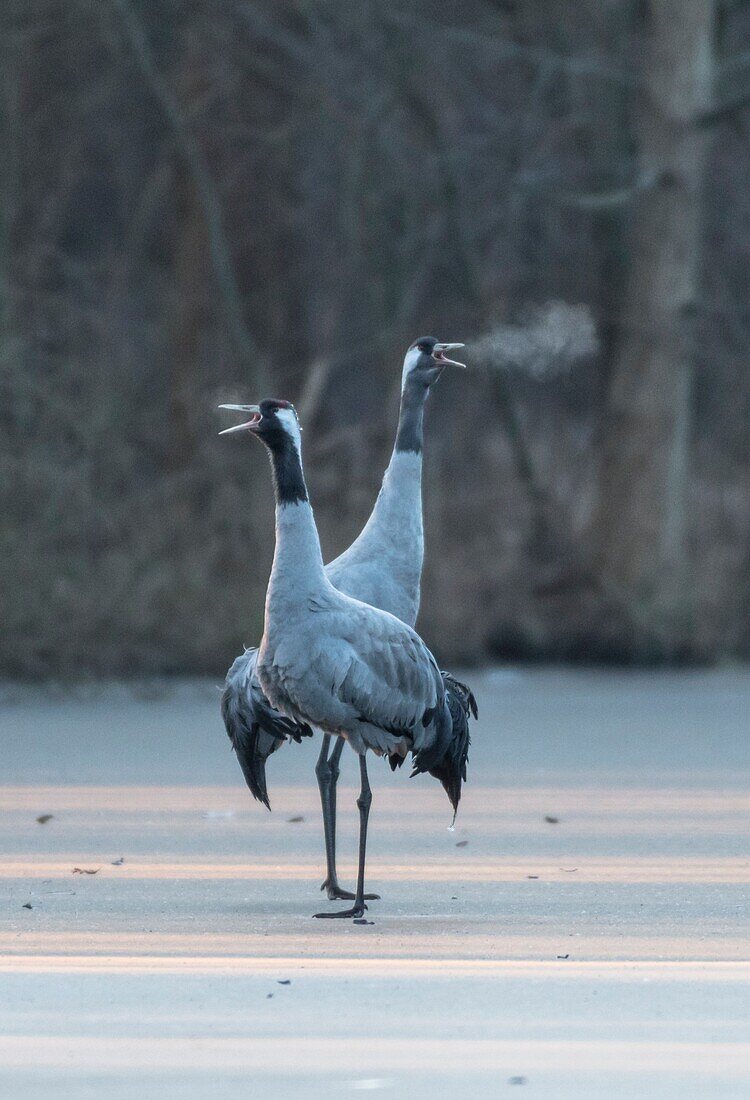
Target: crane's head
pixel 425 360
pixel 273 421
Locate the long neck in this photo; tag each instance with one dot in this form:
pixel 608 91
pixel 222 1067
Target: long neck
pixel 286 470
pixel 397 514
pixel 383 566
pixel 297 562
pixel 402 483
pixel 409 436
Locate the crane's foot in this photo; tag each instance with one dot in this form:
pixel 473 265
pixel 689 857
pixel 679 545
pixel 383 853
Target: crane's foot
pixel 335 893
pixel 355 911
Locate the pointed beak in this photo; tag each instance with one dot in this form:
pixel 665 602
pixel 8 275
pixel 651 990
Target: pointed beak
pixel 248 425
pixel 438 354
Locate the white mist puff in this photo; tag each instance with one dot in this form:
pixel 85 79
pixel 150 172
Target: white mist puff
pixel 549 342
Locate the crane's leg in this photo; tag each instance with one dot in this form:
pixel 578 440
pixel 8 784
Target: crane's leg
pixel 364 800
pixel 327 790
pixel 327 771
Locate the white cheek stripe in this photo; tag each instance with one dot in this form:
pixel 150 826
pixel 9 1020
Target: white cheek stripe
pixel 291 426
pixel 410 361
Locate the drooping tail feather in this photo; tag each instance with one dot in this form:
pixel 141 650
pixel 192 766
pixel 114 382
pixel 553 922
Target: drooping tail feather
pixel 450 768
pixel 254 727
pixel 461 691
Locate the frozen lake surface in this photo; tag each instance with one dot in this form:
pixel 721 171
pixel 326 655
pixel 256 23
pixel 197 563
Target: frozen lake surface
pixel 582 932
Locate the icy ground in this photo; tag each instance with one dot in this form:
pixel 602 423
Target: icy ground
pixel 582 933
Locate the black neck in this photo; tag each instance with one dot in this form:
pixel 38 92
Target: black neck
pixel 409 436
pixel 288 480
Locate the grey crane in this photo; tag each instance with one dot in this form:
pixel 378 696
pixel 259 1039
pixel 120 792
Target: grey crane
pixel 383 567
pixel 331 661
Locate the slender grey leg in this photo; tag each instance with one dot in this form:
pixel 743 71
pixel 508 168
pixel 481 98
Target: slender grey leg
pixel 327 771
pixel 333 763
pixel 364 801
pixel 328 804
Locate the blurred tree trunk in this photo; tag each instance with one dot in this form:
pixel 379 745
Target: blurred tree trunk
pixel 640 521
pixel 190 320
pixel 192 314
pixel 11 55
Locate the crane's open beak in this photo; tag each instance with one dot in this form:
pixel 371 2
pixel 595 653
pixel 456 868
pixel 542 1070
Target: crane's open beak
pixel 249 425
pixel 438 354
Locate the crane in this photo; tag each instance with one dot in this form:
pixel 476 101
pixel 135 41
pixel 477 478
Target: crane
pixel 382 567
pixel 331 661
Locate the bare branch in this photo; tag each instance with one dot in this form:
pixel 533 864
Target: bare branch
pixel 192 156
pixel 609 200
pixel 499 47
pixel 722 111
pixel 313 391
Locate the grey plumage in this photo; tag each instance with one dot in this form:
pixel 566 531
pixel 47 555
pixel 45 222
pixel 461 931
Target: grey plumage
pixel 382 568
pixel 357 672
pixel 351 669
pixel 333 661
pixel 354 671
pixel 255 728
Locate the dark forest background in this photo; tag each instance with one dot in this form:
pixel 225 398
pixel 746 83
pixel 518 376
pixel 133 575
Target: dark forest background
pixel 205 201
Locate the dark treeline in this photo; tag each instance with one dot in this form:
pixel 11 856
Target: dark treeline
pixel 225 200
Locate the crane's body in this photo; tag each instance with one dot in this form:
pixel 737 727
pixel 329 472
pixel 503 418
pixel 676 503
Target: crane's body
pixel 337 663
pixel 382 568
pixel 353 670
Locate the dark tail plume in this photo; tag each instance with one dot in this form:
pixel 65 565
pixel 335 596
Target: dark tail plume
pixel 255 729
pixel 451 768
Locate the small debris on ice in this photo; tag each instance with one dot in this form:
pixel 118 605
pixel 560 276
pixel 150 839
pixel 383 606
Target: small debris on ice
pixel 295 820
pixel 551 820
pixel 44 818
